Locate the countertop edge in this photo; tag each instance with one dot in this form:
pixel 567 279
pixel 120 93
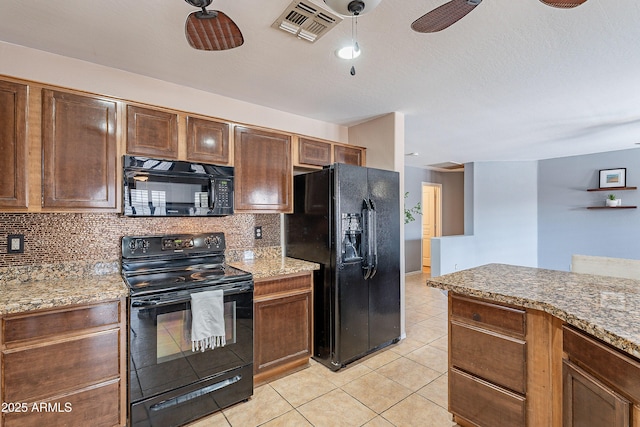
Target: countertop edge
pixel 600 332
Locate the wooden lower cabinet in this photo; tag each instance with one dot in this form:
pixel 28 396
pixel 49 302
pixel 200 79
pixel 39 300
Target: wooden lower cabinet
pixel 65 367
pixel 282 325
pixel 601 385
pixel 587 402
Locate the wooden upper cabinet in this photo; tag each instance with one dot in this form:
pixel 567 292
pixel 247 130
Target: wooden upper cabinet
pixel 152 132
pixel 263 171
pixel 313 153
pixel 207 141
pixel 348 155
pixel 13 145
pixel 79 151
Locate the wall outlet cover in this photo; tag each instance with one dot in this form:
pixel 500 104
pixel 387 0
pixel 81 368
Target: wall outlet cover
pixel 15 243
pixel 257 232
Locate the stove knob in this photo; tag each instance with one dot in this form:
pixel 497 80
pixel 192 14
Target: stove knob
pixel 145 245
pixel 217 240
pixel 207 241
pixel 132 245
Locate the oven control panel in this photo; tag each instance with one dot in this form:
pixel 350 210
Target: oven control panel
pixel 176 243
pixel 139 246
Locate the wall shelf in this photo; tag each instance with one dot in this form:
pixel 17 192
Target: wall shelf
pixel 611 207
pixel 613 189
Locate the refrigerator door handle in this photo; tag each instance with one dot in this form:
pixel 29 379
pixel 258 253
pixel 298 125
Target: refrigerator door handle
pixel 373 226
pixel 366 239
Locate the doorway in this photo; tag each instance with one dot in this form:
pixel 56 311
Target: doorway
pixel 431 220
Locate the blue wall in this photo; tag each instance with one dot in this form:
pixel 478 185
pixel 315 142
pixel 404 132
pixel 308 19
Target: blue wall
pixel 566 227
pixel 452 209
pixel 501 224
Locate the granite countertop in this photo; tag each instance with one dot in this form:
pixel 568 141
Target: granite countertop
pixel 27 288
pixel 59 292
pixel 262 268
pixel 605 307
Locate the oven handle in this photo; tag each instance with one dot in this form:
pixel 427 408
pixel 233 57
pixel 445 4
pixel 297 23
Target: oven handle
pixel 194 394
pixel 159 301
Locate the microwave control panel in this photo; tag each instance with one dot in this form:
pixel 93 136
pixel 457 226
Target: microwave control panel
pixel 223 188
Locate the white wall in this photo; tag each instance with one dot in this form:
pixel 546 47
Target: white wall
pixel 43 67
pixel 503 217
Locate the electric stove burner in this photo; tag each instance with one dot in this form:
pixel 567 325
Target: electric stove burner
pixel 148 267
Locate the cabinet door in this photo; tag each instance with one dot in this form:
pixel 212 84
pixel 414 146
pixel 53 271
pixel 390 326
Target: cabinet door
pixel 348 155
pixel 282 331
pixel 152 132
pixel 207 141
pixel 13 145
pixel 263 171
pixel 79 151
pixel 589 403
pixel 313 153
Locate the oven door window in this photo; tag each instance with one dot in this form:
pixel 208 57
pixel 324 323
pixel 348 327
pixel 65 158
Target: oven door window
pixel 160 352
pixel 173 334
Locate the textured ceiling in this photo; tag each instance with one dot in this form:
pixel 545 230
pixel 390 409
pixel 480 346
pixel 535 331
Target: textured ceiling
pixel 513 80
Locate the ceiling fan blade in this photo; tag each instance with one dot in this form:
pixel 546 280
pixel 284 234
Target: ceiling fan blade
pixel 443 16
pixel 564 4
pixel 212 31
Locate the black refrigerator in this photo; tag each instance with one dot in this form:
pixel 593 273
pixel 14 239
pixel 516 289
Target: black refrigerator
pixel 347 219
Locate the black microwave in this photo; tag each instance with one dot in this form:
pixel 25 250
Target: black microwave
pixel 154 187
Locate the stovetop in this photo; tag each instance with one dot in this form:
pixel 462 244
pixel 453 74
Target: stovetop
pixel 152 264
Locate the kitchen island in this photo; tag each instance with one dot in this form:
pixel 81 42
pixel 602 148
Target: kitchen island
pixel 539 347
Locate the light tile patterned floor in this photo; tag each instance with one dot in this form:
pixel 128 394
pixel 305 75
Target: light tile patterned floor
pixel 404 385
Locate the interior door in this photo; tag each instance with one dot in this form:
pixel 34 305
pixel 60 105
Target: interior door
pixel 431 220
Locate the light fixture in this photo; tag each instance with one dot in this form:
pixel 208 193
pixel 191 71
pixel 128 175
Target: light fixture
pixel 348 52
pixel 352 7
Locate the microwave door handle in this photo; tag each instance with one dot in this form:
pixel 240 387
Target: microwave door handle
pixel 212 194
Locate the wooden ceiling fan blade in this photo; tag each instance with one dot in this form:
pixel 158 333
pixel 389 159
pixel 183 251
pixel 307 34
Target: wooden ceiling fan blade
pixel 444 16
pixel 214 31
pixel 564 4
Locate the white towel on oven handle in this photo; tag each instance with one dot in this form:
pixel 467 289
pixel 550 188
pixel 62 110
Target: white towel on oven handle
pixel 207 320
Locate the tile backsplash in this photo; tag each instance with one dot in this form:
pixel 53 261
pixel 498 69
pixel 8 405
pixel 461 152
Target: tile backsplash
pixel 63 237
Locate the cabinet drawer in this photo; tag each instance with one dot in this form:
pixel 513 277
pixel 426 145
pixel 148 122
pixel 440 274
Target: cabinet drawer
pixel 282 285
pixel 47 324
pixel 492 316
pixel 619 370
pixel 497 358
pixel 99 404
pixel 483 403
pixel 43 371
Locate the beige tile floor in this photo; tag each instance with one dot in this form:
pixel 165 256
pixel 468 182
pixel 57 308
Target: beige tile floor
pixel 402 385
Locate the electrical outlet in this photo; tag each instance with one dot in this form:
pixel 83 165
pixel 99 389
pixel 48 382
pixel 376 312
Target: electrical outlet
pixel 257 232
pixel 15 243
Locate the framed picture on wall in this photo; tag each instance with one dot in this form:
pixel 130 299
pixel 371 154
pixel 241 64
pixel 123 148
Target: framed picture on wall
pixel 612 178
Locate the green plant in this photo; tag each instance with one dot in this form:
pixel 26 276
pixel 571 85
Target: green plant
pixel 408 213
pixel 611 196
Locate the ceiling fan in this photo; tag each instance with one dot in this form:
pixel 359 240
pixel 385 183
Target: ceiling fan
pixel 211 29
pixel 449 13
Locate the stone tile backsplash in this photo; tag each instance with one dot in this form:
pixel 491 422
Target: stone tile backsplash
pixel 51 238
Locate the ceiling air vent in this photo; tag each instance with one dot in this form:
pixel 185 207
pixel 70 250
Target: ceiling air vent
pixel 306 20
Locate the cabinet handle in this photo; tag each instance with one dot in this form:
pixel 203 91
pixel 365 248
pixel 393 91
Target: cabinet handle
pixel 476 317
